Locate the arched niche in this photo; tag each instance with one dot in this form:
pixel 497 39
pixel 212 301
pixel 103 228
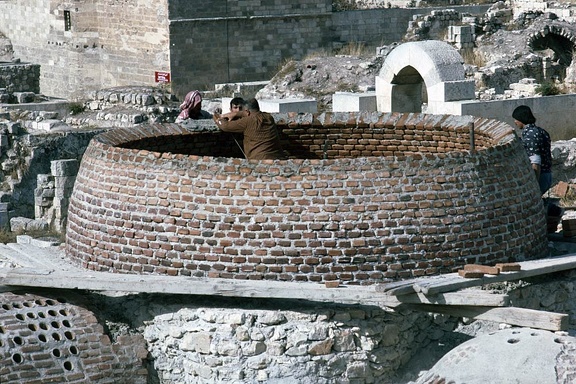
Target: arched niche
pixel 424 71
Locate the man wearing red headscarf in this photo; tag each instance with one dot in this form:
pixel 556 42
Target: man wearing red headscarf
pixel 191 108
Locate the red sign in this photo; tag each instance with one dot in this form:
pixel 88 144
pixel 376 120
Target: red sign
pixel 162 77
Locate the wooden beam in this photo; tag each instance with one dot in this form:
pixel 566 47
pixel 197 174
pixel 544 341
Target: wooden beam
pixel 452 282
pixel 104 281
pixel 466 297
pixel 509 315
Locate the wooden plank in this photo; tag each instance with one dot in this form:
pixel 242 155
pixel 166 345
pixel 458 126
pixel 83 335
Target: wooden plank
pixel 103 281
pixel 509 315
pixel 30 256
pixel 401 284
pixel 23 260
pixel 465 297
pixel 452 282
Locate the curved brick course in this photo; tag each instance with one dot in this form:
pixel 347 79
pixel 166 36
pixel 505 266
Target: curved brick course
pixel 44 340
pixel 364 198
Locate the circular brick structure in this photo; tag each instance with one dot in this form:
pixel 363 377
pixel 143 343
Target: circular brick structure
pixel 57 340
pixel 364 198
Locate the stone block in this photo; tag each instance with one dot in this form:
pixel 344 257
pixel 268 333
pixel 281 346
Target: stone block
pixel 452 91
pixel 61 168
pixel 44 180
pixel 49 125
pixel 354 102
pixel 64 184
pixel 4 142
pixel 18 224
pixel 44 242
pixel 14 128
pixel 289 105
pixel 24 97
pixel 23 239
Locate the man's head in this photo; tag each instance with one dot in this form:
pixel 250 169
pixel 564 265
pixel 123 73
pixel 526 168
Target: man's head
pixel 252 105
pixel 236 104
pixel 523 115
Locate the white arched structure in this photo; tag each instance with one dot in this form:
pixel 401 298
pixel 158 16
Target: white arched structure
pixel 435 64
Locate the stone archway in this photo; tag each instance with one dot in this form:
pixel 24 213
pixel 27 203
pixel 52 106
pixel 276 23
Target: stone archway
pixel 436 65
pixel 559 40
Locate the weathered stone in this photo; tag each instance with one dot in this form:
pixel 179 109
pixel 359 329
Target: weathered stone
pixel 342 316
pixel 257 335
pixel 253 348
pixel 64 168
pixel 357 370
pixel 228 348
pixel 391 335
pixel 242 334
pixel 18 224
pixel 198 342
pixel 321 348
pixel 271 318
pixel 276 348
pixel 319 332
pixel 299 350
pixel 344 341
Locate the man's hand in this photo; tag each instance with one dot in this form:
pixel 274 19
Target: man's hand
pixel 536 168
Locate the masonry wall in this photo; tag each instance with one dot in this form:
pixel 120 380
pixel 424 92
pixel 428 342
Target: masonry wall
pixel 20 77
pixel 552 113
pixel 364 198
pixel 107 44
pixel 290 342
pixel 120 43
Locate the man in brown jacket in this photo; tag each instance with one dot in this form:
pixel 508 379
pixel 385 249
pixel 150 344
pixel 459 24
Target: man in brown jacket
pixel 261 138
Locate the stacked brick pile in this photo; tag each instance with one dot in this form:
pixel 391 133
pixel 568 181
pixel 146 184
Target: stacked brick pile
pixel 364 198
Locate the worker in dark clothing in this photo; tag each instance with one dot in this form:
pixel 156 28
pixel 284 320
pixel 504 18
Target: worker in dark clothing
pixel 261 138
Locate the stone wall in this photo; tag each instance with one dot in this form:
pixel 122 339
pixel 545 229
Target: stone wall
pixel 19 77
pixel 552 112
pixel 112 43
pixel 306 344
pixel 365 198
pixel 107 44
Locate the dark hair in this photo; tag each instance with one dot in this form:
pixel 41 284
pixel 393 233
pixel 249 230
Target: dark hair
pixel 237 101
pixel 252 105
pixel 524 115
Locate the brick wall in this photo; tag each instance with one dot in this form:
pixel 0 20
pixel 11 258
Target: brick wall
pixel 364 198
pixel 46 339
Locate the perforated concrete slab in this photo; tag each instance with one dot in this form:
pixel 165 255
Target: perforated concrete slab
pixel 510 356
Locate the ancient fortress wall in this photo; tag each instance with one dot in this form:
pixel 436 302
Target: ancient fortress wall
pixel 113 43
pixel 364 198
pixel 87 45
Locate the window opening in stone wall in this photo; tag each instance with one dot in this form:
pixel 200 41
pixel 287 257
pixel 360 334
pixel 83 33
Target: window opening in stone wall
pixel 67 21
